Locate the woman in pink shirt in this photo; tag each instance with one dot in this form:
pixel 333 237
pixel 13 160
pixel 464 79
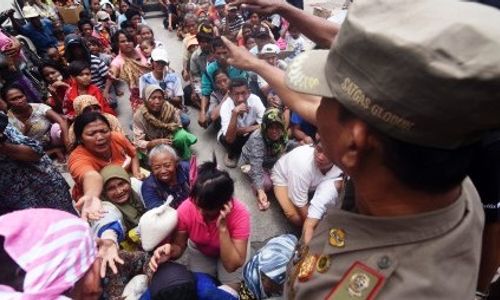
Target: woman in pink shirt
pixel 213 226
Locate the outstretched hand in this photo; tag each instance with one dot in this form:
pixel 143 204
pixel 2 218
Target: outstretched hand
pixel 161 255
pixel 108 251
pixel 90 208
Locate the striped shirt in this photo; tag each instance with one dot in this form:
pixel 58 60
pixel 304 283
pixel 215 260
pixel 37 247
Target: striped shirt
pixel 99 71
pixel 234 25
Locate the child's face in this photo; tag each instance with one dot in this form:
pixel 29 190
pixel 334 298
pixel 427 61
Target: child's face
pixel 250 43
pixel 222 82
pixel 94 49
pixel 83 78
pixel 146 49
pixel 294 32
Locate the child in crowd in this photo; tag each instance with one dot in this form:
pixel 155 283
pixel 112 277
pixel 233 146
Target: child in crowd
pixel 80 73
pixel 218 96
pixel 96 48
pixel 147 46
pixel 294 40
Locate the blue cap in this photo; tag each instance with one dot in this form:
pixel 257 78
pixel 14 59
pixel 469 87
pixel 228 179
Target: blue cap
pixel 219 3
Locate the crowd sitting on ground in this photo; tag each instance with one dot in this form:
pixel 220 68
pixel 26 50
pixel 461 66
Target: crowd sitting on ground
pixel 137 180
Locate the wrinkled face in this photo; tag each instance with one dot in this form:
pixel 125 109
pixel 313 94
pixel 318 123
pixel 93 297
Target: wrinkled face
pixel 94 5
pixel 222 82
pixel 16 99
pixel 117 190
pixel 96 137
pixel 320 158
pixel 125 45
pixel 146 33
pixel 87 30
pixel 221 55
pixel 84 77
pixel 274 131
pixel 51 75
pixel 155 101
pixel 164 167
pixel 240 94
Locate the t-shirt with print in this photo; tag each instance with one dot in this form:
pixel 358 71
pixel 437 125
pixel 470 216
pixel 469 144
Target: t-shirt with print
pixel 206 235
pixel 40 125
pixel 171 84
pixel 253 116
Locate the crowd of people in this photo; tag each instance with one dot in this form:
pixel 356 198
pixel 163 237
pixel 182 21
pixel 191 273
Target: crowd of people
pixel 373 184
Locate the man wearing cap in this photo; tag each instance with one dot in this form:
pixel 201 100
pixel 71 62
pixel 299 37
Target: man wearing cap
pixel 164 77
pixel 269 53
pixel 38 30
pixel 394 97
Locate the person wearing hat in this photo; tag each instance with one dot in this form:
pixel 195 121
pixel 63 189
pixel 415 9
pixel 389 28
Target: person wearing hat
pixel 388 117
pixel 269 53
pixel 261 151
pixel 262 36
pixel 38 30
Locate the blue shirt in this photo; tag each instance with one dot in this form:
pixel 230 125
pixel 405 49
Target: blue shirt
pixel 208 81
pixel 171 84
pixel 155 193
pixel 305 126
pixel 41 39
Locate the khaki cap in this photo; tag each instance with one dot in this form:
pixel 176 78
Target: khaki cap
pixel 425 72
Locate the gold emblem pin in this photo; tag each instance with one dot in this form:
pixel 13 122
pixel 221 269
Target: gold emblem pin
pixel 337 237
pixel 357 284
pixel 306 268
pixel 323 263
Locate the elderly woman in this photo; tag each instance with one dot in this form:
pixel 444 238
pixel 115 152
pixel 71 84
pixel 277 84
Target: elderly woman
pixel 263 148
pixel 157 122
pixel 97 148
pixel 88 103
pixel 28 179
pixel 214 226
pixel 169 177
pixel 37 121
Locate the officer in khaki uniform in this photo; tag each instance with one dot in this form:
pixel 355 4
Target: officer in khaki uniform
pixel 407 90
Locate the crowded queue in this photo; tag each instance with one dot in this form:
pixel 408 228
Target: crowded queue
pixel 351 140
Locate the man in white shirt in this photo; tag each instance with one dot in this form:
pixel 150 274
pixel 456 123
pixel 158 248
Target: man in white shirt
pixel 240 115
pixel 300 172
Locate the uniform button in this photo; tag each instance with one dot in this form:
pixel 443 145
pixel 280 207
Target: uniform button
pixel 384 262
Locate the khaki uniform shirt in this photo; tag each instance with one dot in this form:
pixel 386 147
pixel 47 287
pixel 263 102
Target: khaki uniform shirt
pixel 434 255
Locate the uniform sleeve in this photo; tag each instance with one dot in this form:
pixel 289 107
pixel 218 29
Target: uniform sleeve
pixel 325 194
pixel 240 222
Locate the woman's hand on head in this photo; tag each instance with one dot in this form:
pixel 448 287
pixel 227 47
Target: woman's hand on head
pixel 224 212
pixel 161 255
pixel 90 208
pixel 108 252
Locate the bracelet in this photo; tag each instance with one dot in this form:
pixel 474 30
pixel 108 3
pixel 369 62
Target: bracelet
pixel 481 295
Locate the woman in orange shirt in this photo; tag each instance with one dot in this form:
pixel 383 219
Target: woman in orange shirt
pixel 97 147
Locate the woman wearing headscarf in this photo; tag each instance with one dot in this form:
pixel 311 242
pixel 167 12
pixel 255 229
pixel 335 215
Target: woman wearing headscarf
pixel 157 122
pixel 261 151
pixel 264 274
pixel 88 103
